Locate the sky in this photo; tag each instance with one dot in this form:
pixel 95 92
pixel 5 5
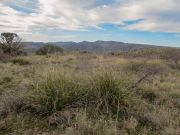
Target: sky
pixel 155 22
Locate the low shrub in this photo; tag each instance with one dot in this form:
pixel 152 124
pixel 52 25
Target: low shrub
pixel 4 57
pixel 171 55
pixel 150 96
pixel 49 49
pixel 147 121
pixel 154 66
pixel 20 61
pixel 7 79
pixel 85 52
pixel 12 102
pixel 175 66
pixel 148 92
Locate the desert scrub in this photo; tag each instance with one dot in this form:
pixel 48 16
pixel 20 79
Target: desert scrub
pixel 12 102
pixel 19 61
pixel 154 66
pixel 148 92
pixel 86 126
pixel 58 90
pixel 49 49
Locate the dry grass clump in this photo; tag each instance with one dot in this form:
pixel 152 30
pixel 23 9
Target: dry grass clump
pixel 109 95
pixel 104 93
pixel 85 126
pixel 11 103
pixel 58 90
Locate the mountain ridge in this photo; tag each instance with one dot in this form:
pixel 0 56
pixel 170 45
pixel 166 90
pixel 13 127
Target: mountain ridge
pixel 97 46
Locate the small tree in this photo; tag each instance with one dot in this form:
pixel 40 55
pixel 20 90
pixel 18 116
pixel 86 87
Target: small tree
pixel 10 43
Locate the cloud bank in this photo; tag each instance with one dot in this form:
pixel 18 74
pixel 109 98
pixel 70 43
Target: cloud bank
pixel 29 16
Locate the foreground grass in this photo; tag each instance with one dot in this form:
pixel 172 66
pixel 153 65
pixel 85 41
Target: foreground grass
pixel 85 94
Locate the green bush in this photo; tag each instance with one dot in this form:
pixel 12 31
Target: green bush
pixel 49 49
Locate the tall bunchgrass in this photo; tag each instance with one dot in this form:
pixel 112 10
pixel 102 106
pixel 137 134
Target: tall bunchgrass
pixel 104 92
pixel 58 90
pixel 109 95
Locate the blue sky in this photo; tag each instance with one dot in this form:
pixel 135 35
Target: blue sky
pixel 133 21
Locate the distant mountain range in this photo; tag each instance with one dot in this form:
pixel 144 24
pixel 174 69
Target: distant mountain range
pixel 98 46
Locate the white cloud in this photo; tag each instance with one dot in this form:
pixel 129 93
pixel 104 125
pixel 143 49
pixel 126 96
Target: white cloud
pixel 159 15
pixel 39 37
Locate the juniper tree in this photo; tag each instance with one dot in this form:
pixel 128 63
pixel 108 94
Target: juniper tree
pixel 10 43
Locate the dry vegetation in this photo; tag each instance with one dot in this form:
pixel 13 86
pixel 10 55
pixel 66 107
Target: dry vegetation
pixel 90 94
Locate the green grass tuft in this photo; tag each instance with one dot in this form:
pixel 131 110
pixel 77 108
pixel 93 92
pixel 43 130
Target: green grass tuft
pixel 109 95
pixel 58 90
